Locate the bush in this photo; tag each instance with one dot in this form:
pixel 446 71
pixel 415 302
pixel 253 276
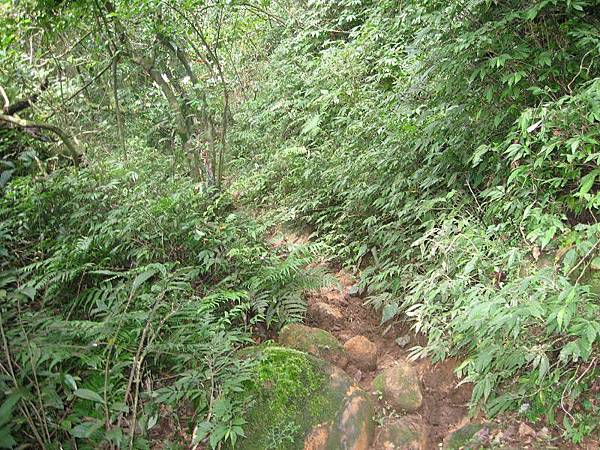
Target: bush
pixel 124 289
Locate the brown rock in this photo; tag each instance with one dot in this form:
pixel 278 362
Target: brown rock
pixel 400 386
pixel 325 313
pixel 362 352
pixel 526 430
pixel 317 439
pixel 405 433
pixel 353 428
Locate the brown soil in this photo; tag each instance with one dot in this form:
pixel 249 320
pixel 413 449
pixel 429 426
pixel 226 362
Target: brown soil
pixel 444 405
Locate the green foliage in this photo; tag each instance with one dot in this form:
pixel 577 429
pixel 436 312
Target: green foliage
pixel 124 289
pixel 293 394
pixel 447 150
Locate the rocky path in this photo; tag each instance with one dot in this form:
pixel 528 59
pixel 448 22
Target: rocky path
pixel 418 406
pixel 416 402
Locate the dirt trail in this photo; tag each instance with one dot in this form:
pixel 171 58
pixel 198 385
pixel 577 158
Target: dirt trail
pixel 335 309
pixel 444 405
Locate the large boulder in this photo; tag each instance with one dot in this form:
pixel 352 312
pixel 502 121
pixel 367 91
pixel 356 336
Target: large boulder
pixel 303 402
pixel 315 341
pixel 400 387
pixel 362 352
pixel 404 433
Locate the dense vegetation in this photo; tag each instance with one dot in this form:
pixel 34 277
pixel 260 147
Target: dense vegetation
pixel 450 151
pixel 447 150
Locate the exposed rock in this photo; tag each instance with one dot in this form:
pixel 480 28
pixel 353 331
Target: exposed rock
pixel 304 403
pixel 525 431
pixel 317 438
pixel 362 352
pixel 325 313
pixel 403 341
pixel 315 341
pixel 400 387
pixel 405 433
pixel 353 428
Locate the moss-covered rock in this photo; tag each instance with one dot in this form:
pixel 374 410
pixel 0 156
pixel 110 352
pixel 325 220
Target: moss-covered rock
pixel 315 341
pixel 302 402
pixel 400 387
pixel 404 433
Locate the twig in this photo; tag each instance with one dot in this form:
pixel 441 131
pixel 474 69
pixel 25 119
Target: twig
pixel 86 85
pixel 11 372
pixel 591 250
pixel 474 196
pixel 5 98
pixel 33 371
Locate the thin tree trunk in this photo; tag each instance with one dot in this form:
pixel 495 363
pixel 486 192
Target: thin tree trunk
pixel 117 108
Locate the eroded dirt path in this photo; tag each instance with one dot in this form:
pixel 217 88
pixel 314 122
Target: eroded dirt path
pixel 444 407
pixel 335 309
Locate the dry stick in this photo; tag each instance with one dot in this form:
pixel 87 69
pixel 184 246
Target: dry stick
pixel 106 366
pixel 117 108
pixel 137 364
pixel 474 196
pixel 5 99
pixel 591 250
pixel 108 357
pixel 86 85
pixel 11 372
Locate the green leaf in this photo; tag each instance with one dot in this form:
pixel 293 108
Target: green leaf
pixel 569 260
pixel 587 182
pixel 389 311
pixel 8 405
pixel 86 429
pixel 70 381
pixel 217 435
pixel 311 127
pixel 88 395
pixel 142 278
pixel 595 264
pixel 6 440
pixel 202 430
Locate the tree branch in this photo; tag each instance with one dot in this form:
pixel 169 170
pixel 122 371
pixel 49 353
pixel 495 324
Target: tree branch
pixel 69 142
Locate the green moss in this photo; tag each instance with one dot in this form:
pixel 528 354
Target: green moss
pixel 315 341
pixel 293 393
pixel 378 383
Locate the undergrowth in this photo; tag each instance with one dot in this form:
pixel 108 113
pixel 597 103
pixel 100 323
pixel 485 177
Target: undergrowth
pixel 449 151
pixel 126 290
